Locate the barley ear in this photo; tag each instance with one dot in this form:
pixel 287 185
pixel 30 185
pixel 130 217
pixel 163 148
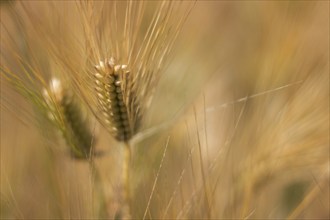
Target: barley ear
pixel 113 99
pixel 67 114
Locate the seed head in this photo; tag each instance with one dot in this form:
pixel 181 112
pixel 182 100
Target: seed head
pixel 111 98
pixel 67 115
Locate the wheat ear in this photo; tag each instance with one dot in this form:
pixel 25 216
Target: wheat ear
pixel 110 87
pixel 67 115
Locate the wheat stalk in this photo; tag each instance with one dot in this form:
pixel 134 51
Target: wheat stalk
pixel 113 103
pixel 125 80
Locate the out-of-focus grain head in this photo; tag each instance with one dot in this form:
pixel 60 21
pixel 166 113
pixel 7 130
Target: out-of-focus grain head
pixel 69 118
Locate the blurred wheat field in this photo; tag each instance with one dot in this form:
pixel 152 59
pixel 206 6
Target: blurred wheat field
pixel 235 121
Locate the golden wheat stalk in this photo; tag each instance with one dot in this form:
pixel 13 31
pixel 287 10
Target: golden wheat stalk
pixel 113 103
pixel 126 72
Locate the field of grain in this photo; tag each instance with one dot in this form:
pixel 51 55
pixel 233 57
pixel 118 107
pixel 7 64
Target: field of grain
pixel 224 110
